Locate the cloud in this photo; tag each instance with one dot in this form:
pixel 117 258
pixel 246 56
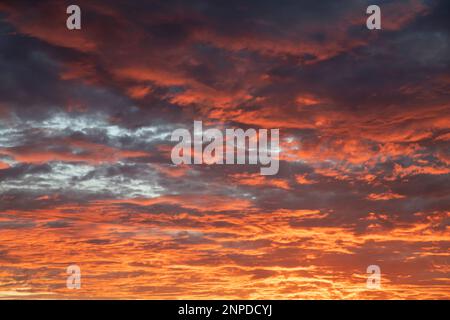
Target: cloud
pixel 85 170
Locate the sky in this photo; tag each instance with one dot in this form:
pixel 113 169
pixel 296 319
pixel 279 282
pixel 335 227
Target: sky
pixel 86 176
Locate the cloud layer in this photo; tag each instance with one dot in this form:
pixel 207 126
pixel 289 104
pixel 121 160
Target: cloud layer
pixel 85 170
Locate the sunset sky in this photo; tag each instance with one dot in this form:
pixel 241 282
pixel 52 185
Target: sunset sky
pixel 86 176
